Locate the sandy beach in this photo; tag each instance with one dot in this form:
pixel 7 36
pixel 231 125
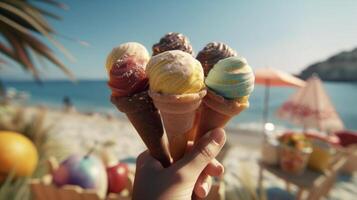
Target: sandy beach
pixel 77 132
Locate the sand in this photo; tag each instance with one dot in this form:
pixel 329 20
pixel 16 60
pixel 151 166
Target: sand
pixel 78 132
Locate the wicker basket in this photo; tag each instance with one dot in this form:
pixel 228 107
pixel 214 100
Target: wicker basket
pixel 43 189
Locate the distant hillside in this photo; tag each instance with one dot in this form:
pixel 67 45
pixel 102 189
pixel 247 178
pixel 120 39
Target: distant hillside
pixel 340 67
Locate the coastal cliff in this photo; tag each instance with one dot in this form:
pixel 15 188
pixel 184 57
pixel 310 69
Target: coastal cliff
pixel 340 67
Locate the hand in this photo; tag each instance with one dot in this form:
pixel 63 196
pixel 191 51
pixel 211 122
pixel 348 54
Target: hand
pixel 189 174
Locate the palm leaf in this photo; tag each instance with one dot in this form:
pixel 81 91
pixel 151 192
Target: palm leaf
pixel 41 49
pixel 7 51
pixel 37 26
pixel 45 13
pixel 20 52
pixel 24 6
pixel 19 20
pixel 55 3
pixel 41 60
pixel 34 13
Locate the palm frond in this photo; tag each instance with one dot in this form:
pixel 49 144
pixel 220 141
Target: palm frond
pixel 21 53
pixel 29 10
pixel 19 21
pixel 45 13
pixel 55 3
pixel 37 26
pixel 7 51
pixel 35 44
pixel 41 60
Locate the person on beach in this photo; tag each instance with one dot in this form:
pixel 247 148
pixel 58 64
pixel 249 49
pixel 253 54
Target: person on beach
pixel 67 104
pixel 189 176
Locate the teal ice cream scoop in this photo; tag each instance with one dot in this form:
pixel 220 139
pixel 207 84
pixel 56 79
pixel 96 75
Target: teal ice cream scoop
pixel 231 78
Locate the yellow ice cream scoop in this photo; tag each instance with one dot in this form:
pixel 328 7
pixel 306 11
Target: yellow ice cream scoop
pixel 175 72
pixel 128 49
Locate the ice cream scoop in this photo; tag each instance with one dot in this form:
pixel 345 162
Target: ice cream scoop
pixel 212 53
pixel 175 72
pixel 172 41
pixel 177 88
pixel 129 84
pixel 127 77
pixel 231 78
pixel 134 49
pixel 229 84
pixel 87 172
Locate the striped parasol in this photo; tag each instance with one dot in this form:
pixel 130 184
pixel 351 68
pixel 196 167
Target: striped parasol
pixel 311 107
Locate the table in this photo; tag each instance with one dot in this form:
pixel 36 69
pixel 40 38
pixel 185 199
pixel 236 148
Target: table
pixel 316 184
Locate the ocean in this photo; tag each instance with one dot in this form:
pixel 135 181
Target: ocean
pixel 93 96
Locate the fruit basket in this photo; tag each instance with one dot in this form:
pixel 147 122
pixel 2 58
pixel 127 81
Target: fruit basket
pixel 45 188
pixel 294 152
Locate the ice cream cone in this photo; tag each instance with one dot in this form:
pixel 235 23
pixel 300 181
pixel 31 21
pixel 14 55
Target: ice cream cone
pixel 192 134
pixel 216 111
pixel 145 118
pixel 178 114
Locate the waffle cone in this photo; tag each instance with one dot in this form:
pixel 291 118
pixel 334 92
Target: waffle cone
pixel 192 134
pixel 216 111
pixel 178 114
pixel 146 120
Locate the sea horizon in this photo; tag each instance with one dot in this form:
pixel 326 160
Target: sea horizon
pixel 51 93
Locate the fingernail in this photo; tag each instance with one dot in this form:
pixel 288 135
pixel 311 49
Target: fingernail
pixel 218 136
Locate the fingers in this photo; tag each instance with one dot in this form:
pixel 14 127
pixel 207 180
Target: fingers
pixel 214 168
pixel 203 185
pixel 202 153
pixel 204 182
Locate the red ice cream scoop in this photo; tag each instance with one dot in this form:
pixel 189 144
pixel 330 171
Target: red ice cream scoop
pixel 127 77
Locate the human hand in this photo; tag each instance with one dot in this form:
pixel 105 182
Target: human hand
pixel 187 175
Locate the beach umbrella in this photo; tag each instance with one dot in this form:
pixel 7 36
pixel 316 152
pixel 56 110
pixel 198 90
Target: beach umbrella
pixel 311 107
pixel 270 77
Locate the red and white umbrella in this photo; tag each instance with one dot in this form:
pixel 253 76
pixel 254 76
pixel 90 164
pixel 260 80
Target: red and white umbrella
pixel 311 107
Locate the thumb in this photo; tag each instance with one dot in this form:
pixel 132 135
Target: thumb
pixel 206 149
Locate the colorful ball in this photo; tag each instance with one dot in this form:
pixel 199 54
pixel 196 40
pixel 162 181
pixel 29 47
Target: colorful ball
pixel 87 172
pixel 17 153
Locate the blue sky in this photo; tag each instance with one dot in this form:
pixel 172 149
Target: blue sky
pixel 288 35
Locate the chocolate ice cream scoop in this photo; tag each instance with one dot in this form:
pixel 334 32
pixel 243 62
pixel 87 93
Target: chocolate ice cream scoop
pixel 172 41
pixel 212 53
